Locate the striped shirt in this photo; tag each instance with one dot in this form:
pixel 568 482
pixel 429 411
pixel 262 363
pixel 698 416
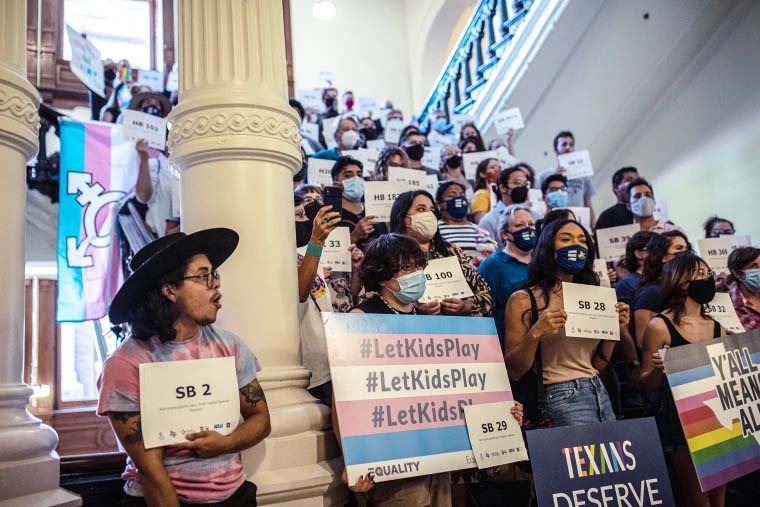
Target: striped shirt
pixel 474 241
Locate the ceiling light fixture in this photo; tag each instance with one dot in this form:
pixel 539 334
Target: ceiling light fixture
pixel 324 10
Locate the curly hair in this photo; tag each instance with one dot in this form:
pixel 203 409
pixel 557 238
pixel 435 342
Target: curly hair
pixel 386 256
pixel 155 315
pixel 381 166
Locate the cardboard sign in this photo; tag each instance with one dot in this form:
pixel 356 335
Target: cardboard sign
pixel 583 215
pixel 432 157
pixel 605 464
pixel 444 280
pixel 319 171
pixel 139 125
pixel 393 130
pixel 181 397
pixel 310 99
pixel 153 79
pixel 612 241
pixel 577 164
pixel 328 128
pixel 714 385
pixel 379 197
pixel 590 311
pixel 400 383
pixel 508 119
pixel 376 144
pixel 471 161
pixel 86 63
pixel 661 213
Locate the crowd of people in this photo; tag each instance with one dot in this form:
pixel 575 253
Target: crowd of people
pixel 516 234
pixel 515 249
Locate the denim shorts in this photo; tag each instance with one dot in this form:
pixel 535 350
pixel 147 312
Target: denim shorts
pixel 578 401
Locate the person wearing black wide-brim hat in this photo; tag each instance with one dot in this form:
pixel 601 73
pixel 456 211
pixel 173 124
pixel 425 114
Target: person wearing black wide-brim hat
pixel 169 304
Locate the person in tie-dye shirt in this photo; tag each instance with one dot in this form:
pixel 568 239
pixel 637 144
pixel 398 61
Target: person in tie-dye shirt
pixel 170 303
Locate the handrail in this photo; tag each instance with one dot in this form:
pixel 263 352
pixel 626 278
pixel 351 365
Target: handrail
pixel 479 48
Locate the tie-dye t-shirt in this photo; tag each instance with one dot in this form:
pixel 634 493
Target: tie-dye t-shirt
pixel 196 480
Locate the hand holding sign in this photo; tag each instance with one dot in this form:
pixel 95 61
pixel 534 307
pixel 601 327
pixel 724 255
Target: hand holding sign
pixel 592 312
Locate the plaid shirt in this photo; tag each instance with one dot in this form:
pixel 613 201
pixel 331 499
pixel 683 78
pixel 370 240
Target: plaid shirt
pixel 748 314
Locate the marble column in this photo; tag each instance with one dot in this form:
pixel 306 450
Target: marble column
pixel 235 141
pixel 29 465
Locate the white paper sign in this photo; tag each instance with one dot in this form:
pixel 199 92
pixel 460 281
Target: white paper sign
pixel 318 171
pixel 413 179
pixel 310 99
pixel 310 130
pixel 366 156
pixel 445 279
pixel 86 63
pixel 535 195
pixel 379 197
pixel 139 125
pixel 507 160
pixel 661 211
pixel 366 104
pixel 612 240
pixel 393 131
pixel 471 161
pixel 583 215
pixel 722 309
pixel 326 75
pixel 328 124
pixel 437 140
pixel 153 79
pixel 494 434
pixel 715 252
pixel 600 268
pixel 458 120
pixel 590 311
pixel 335 252
pixel 172 81
pixel 509 119
pixel 577 164
pixel 431 157
pixel 376 144
pixel 182 397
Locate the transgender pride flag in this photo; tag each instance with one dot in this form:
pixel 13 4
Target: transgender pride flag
pixel 400 383
pixel 98 172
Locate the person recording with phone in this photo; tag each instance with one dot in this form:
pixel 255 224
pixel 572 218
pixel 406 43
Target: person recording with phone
pixel 348 184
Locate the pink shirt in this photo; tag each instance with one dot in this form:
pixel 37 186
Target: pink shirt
pixel 196 480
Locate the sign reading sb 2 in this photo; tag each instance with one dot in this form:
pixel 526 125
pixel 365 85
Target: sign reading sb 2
pixel 190 391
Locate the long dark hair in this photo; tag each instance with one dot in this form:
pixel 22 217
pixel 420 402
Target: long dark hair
pixel 675 273
pixel 155 315
pixel 638 241
pixel 401 207
pixel 657 249
pixel 480 181
pixel 542 270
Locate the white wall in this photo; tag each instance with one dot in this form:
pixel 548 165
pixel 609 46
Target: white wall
pixel 365 44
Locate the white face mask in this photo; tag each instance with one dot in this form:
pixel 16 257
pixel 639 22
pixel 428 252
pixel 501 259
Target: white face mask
pixel 425 224
pixel 643 207
pixel 349 138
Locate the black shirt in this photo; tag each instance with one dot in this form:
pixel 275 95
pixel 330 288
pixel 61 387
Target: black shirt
pixel 349 219
pixel 376 305
pixel 614 216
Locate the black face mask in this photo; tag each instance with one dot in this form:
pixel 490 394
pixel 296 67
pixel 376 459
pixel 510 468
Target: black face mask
pixel 370 134
pixel 301 174
pixel 330 102
pixel 303 233
pixel 519 195
pixel 702 291
pixel 415 152
pixel 454 162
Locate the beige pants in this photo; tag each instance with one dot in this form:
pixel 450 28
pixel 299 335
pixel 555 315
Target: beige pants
pixel 424 491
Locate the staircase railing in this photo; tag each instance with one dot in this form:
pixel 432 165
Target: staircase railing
pixel 481 45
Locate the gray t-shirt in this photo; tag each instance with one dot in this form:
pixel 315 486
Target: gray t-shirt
pixel 577 189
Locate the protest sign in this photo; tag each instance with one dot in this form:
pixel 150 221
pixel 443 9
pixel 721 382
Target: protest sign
pixel 139 125
pixel 445 280
pixel 715 387
pixel 379 197
pixel 85 62
pixel 577 164
pixel 721 308
pixel 612 241
pixel 153 79
pixel 508 119
pixel 590 311
pixel 400 383
pixel 604 464
pixel 319 171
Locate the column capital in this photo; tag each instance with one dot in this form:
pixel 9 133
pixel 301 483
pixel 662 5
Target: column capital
pixel 19 117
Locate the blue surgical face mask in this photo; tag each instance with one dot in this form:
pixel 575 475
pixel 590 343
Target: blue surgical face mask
pixel 411 287
pixel 440 125
pixel 571 259
pixel 752 280
pixel 457 207
pixel 353 189
pixel 525 239
pixel 558 199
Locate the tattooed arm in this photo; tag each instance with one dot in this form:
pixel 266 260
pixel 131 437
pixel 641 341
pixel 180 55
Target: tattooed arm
pixel 156 485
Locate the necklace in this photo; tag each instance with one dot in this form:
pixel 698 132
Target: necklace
pixel 414 310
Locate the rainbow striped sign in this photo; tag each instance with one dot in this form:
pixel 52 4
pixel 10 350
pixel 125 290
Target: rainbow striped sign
pixel 716 387
pixel 400 383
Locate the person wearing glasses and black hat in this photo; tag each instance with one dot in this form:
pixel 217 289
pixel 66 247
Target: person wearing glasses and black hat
pixel 170 303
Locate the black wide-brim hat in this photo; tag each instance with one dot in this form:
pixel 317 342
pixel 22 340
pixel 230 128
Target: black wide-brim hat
pixel 164 255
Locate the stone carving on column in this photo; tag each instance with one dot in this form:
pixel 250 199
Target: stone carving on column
pixel 236 142
pixel 29 465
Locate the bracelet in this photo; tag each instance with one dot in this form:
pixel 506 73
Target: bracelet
pixel 312 249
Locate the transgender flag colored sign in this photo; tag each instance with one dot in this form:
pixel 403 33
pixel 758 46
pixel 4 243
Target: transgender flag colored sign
pixel 400 383
pixel 97 172
pixel 716 387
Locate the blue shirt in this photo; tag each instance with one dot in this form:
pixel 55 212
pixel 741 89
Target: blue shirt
pixel 626 288
pixel 504 275
pixel 328 154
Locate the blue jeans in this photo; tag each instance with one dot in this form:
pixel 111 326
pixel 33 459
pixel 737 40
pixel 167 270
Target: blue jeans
pixel 578 401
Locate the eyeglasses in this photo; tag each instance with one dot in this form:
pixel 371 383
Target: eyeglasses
pixel 209 278
pixel 555 189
